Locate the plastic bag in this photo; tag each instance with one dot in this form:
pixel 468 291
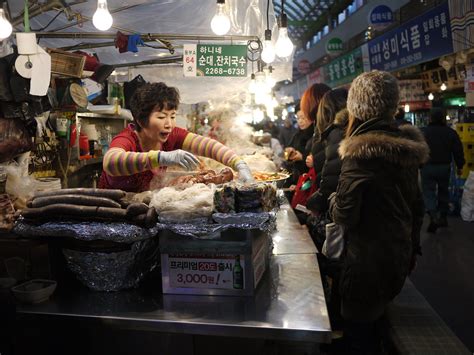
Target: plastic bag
pixel 467 201
pixel 19 183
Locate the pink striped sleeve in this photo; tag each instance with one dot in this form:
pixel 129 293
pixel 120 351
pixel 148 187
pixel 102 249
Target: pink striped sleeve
pixel 210 148
pixel 118 162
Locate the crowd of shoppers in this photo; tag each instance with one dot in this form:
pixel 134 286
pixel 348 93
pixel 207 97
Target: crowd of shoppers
pixel 367 162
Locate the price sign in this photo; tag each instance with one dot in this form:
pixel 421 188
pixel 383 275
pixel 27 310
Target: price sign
pixel 215 60
pixel 206 271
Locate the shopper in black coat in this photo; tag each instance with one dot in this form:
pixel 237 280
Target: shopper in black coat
pixel 379 203
pixel 445 146
pixel 297 149
pixel 309 105
pixel 331 123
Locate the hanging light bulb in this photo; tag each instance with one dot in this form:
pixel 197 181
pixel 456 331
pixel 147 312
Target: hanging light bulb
pixel 261 86
pixel 407 108
pixel 443 87
pixel 268 52
pixel 283 46
pixel 269 79
pixel 5 26
pixel 220 23
pixel 102 18
pixel 431 96
pixel 258 115
pixel 253 84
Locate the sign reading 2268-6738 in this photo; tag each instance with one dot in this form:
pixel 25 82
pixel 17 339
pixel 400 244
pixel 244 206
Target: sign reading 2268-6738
pixel 214 60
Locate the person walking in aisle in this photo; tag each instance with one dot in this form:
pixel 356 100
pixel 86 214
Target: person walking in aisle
pixel 379 204
pixel 445 146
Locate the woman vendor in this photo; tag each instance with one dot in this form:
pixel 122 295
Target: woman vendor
pixel 153 142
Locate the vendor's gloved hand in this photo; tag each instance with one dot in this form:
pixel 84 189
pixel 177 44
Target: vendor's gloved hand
pixel 245 175
pixel 178 157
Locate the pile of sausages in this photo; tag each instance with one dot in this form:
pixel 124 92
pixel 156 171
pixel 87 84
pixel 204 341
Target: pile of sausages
pixel 86 204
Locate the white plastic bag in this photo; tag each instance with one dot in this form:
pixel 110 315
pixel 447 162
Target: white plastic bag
pixel 467 201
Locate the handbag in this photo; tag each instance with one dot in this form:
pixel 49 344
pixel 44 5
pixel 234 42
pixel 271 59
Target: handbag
pixel 305 187
pixel 333 246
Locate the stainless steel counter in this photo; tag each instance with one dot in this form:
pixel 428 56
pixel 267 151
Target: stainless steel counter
pixel 289 303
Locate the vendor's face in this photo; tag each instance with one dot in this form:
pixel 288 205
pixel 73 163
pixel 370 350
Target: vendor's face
pixel 303 121
pixel 160 125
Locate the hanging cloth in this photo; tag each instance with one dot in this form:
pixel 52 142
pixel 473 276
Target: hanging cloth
pixel 133 41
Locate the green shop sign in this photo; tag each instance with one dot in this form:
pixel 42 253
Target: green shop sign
pixel 344 69
pixel 214 60
pixel 334 46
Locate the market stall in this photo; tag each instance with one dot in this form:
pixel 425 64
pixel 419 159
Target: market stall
pixel 211 252
pixel 288 306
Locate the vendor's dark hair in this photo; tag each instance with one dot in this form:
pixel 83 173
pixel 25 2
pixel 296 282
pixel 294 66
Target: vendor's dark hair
pixel 152 97
pixel 331 103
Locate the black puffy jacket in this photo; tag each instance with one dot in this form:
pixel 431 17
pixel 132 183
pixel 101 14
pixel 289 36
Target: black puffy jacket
pixel 379 202
pixel 329 176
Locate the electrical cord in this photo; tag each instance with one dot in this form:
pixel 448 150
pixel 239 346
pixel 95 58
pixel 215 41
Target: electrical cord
pixel 49 23
pixel 268 10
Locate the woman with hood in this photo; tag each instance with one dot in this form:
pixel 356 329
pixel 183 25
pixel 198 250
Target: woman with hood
pixel 379 203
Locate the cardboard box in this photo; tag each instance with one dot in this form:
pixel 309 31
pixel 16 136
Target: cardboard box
pixel 232 264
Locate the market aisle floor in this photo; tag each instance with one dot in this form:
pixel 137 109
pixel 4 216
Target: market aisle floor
pixel 444 276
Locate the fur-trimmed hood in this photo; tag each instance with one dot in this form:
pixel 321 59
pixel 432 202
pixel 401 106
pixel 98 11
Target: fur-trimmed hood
pixel 407 147
pixel 342 117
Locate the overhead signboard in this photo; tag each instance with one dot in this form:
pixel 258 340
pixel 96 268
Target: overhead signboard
pixel 380 17
pixel 424 38
pixel 215 60
pixel 345 68
pixel 452 78
pixel 334 46
pixel 315 77
pixel 304 66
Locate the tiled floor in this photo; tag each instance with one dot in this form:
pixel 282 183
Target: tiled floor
pixel 445 276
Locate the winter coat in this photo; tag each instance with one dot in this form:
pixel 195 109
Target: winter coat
pixel 331 169
pixel 378 201
pixel 444 145
pixel 300 143
pixel 319 156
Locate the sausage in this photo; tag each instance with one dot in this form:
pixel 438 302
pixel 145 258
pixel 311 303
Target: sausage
pixel 62 209
pixel 73 200
pixel 137 208
pixel 115 195
pixel 151 218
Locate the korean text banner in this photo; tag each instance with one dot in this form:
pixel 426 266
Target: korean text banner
pixel 424 38
pixel 214 60
pixel 344 69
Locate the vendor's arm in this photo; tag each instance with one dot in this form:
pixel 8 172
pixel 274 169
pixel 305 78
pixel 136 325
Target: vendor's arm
pixel 213 149
pixel 119 162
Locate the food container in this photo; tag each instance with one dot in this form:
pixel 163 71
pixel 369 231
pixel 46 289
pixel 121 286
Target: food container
pixel 34 291
pixel 232 264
